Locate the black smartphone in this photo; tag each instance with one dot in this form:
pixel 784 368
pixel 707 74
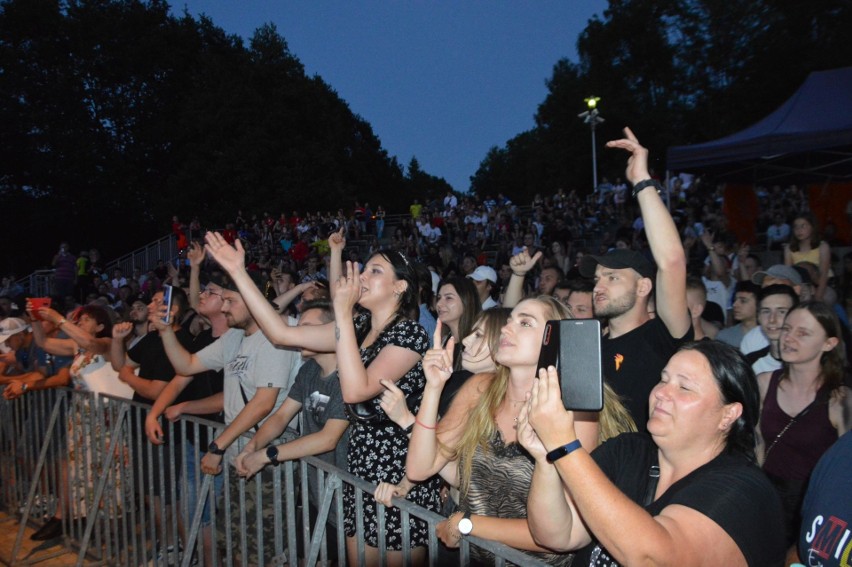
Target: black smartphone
pixel 573 346
pixel 167 301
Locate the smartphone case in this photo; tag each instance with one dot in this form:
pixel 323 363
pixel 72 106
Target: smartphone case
pixel 573 346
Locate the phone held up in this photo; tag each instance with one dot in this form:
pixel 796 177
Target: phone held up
pixel 573 346
pixel 167 301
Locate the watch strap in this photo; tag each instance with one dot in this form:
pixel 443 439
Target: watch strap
pixel 214 449
pixel 647 183
pixel 563 451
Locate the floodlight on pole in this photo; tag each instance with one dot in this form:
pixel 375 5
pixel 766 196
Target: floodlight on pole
pixel 592 117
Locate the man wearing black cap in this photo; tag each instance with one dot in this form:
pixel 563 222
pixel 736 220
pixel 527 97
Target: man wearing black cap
pixel 637 347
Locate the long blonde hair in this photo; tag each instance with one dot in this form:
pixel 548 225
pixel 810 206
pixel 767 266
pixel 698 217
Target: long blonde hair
pixel 482 425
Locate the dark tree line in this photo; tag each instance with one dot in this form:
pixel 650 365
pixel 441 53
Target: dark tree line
pixel 117 114
pixel 677 72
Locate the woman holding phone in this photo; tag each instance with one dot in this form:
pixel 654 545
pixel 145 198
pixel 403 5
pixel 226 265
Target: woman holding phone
pixel 474 446
pixel 90 371
pixel 688 494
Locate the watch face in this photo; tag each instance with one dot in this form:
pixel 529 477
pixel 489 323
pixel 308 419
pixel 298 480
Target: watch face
pixel 465 526
pixel 272 453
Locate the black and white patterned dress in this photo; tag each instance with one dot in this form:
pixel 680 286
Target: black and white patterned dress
pixel 500 480
pixel 377 452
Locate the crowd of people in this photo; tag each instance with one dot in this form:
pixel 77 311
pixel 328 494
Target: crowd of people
pixel 412 358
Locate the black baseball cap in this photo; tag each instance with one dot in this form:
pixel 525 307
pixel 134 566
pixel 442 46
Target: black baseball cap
pixel 618 259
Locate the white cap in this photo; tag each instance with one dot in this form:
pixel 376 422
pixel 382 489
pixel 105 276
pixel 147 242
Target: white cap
pixel 11 326
pixel 483 273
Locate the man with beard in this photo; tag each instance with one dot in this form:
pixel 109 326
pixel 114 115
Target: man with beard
pixel 257 380
pixel 637 347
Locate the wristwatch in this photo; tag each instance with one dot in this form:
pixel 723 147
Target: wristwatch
pixel 214 449
pixel 465 525
pixel 272 455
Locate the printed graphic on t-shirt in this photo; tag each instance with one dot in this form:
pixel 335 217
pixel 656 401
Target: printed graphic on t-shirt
pixel 240 367
pixel 316 405
pixel 619 358
pixel 829 542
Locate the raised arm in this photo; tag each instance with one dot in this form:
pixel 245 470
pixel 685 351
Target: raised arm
pixel 663 240
pixel 319 338
pixel 195 254
pixel 336 242
pixel 183 361
pixel 631 535
pixel 62 347
pixel 357 382
pixel 431 439
pixel 118 351
pixel 521 264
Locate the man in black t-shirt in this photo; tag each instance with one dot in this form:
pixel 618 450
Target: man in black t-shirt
pixel 637 346
pixel 146 368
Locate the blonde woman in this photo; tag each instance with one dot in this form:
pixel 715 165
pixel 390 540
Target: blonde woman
pixel 474 446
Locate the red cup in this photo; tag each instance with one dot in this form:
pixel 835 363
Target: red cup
pixel 37 303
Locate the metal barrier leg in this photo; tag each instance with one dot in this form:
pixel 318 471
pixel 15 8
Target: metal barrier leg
pixel 42 456
pixel 99 490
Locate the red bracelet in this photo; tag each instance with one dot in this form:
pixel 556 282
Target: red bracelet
pixel 423 425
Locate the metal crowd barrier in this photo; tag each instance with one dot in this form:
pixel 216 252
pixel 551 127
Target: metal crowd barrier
pixel 93 449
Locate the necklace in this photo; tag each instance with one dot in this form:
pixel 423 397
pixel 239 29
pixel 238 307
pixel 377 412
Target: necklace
pixel 514 405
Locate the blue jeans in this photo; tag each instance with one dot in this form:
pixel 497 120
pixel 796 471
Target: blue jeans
pixel 193 482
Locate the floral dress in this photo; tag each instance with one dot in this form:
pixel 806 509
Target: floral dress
pixel 89 424
pixel 377 452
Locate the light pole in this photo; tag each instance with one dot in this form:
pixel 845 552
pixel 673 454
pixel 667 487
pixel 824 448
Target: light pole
pixel 592 117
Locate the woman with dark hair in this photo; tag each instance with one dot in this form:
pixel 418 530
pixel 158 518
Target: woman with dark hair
pixel 383 342
pixel 90 337
pixel 688 494
pixel 458 305
pixel 805 407
pixel 806 246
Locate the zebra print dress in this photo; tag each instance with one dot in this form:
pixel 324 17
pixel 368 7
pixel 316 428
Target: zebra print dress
pixel 499 485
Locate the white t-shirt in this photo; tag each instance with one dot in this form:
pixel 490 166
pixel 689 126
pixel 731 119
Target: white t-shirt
pixel 250 362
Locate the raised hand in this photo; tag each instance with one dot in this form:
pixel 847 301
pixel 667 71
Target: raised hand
pixel 527 436
pixel 438 362
pixel 522 262
pixel 393 404
pixel 231 258
pixel 122 330
pixel 195 254
pixel 637 163
pixel 347 291
pixel 337 240
pixel 547 414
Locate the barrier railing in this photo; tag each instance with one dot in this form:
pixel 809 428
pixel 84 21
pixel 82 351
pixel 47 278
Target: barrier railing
pixel 40 282
pixel 124 501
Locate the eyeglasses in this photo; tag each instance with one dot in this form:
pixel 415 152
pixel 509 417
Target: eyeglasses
pixel 209 291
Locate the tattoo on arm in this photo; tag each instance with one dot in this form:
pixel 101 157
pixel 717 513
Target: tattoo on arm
pixel 336 333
